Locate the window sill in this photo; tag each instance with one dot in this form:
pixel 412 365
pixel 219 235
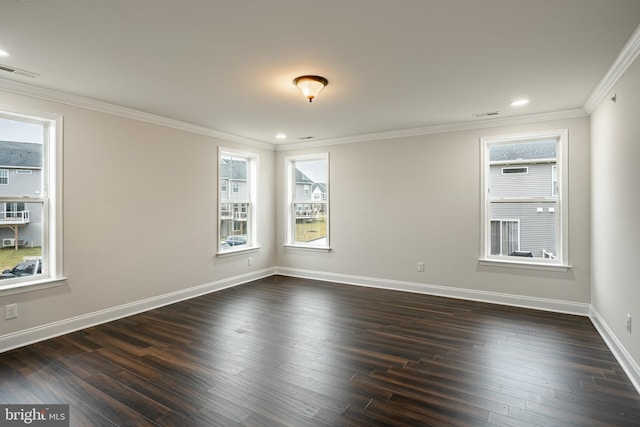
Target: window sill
pixel 524 265
pixel 35 285
pixel 308 248
pixel 238 251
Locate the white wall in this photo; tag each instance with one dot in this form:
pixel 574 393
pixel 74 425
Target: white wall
pixel 615 129
pixel 397 202
pixel 140 217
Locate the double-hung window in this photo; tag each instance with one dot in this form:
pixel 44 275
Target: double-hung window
pixel 524 194
pixel 30 200
pixel 307 210
pixel 236 201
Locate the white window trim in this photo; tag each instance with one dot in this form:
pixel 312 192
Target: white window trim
pixel 252 185
pixel 562 261
pixel 52 248
pixel 289 209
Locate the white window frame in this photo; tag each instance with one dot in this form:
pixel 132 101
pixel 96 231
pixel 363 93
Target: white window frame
pixel 50 197
pixel 4 176
pixel 252 176
pixel 290 191
pixel 561 262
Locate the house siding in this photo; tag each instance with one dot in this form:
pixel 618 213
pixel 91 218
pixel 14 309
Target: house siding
pixel 538 230
pixel 538 225
pixel 535 183
pixel 20 156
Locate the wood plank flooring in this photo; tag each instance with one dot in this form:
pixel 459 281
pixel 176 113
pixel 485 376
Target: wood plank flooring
pixel 283 351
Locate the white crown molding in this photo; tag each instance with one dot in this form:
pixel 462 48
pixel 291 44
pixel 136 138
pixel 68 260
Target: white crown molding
pixel 435 129
pixel 623 357
pixel 544 304
pixel 625 58
pixel 51 330
pixel 105 107
pixel 130 113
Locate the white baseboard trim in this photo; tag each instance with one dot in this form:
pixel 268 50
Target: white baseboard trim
pixel 545 304
pixel 51 330
pixel 623 357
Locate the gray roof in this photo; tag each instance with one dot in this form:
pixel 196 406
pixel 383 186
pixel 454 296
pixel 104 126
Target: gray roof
pixel 20 154
pixel 234 169
pixel 522 151
pixel 321 186
pixel 302 178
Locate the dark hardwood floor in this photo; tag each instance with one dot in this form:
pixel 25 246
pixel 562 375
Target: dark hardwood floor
pixel 294 352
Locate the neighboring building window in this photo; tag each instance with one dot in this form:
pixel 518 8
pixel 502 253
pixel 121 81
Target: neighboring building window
pixel 505 237
pixel 308 201
pixel 236 230
pixel 524 197
pixel 30 206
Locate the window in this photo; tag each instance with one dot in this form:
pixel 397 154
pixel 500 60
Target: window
pixel 505 237
pixel 524 206
pixel 236 229
pixel 308 201
pixel 30 208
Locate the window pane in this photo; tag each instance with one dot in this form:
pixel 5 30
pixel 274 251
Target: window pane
pixel 536 224
pixel 236 226
pixel 21 223
pixel 311 223
pixel 235 171
pixel 532 180
pixel 309 202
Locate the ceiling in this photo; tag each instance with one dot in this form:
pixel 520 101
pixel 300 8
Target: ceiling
pixel 392 66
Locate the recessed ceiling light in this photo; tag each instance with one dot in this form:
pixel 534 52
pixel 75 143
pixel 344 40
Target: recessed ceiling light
pixel 519 102
pixel 3 53
pixel 281 136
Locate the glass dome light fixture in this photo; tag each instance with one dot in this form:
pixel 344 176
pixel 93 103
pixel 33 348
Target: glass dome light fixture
pixel 310 85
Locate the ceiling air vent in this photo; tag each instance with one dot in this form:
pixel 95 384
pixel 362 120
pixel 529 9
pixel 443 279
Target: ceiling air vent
pixel 18 71
pixel 486 114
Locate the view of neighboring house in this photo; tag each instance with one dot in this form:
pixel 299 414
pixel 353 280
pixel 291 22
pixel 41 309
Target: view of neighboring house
pixel 524 174
pixel 306 193
pixel 20 175
pixel 234 197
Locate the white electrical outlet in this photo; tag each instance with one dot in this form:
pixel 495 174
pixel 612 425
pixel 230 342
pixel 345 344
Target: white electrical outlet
pixel 11 311
pixel 250 261
pixel 420 266
pixel 628 322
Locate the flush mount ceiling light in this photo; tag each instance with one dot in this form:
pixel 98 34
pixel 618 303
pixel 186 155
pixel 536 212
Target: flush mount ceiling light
pixel 4 53
pixel 310 85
